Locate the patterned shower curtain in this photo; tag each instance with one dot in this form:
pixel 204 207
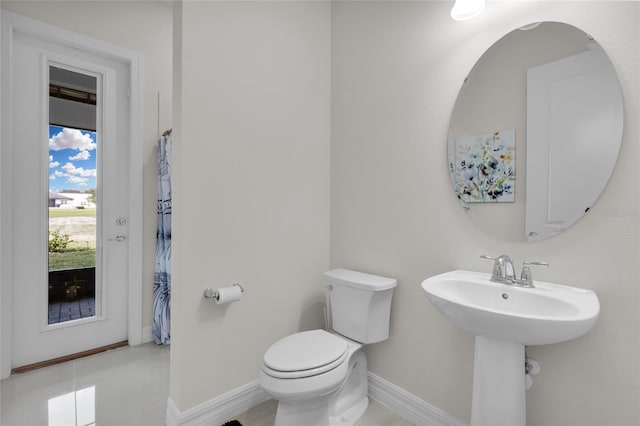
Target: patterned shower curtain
pixel 162 278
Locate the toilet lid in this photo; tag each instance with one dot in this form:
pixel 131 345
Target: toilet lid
pixel 314 351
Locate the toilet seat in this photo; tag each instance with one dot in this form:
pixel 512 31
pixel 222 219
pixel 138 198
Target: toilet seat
pixel 305 354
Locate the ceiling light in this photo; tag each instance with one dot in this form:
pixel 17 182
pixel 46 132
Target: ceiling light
pixel 466 9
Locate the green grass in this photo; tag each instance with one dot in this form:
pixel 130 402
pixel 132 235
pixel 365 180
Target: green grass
pixel 57 212
pixel 78 254
pixel 72 259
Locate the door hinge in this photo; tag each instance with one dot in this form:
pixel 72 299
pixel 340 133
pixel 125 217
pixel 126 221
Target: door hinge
pixel 128 93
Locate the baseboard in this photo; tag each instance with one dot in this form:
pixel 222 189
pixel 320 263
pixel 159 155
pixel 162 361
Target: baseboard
pixel 408 405
pixel 220 409
pixel 217 410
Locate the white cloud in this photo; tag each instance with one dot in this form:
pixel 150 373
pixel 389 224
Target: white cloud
pixel 53 164
pixel 75 180
pixel 71 139
pixel 82 155
pixel 78 171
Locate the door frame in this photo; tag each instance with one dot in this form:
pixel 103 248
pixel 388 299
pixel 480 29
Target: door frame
pixel 11 24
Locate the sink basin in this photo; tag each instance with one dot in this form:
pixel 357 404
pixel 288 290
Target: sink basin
pixel 548 313
pixel 504 319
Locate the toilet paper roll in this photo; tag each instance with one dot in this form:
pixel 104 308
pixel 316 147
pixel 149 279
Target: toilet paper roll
pixel 229 294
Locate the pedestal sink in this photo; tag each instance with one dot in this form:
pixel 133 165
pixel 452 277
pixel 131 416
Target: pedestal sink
pixel 504 318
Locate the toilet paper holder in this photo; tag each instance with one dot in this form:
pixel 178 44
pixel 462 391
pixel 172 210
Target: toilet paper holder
pixel 210 293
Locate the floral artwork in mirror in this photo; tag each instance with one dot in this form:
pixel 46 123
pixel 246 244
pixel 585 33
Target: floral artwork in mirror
pixel 483 167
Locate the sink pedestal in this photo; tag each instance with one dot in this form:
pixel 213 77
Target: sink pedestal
pixel 499 386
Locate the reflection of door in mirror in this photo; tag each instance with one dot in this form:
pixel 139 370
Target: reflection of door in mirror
pixel 572 106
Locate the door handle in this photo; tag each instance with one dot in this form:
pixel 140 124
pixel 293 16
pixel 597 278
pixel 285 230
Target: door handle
pixel 118 238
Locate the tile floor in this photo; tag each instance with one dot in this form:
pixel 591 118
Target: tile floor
pixel 376 415
pixel 122 387
pixel 76 309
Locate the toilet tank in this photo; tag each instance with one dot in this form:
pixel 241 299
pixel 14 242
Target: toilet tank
pixel 360 304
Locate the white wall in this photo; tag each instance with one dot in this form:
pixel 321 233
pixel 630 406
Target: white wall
pixel 146 27
pixel 251 186
pixel 396 70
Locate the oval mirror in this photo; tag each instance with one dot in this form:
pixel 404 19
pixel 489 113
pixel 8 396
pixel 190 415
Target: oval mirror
pixel 535 132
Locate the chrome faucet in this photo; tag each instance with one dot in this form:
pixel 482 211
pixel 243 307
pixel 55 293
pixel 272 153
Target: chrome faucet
pixel 502 268
pixel 503 271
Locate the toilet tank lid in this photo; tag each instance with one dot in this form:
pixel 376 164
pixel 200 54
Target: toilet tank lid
pixel 359 280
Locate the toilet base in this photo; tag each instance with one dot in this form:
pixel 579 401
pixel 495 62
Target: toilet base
pixel 352 415
pixel 346 407
pixel 314 414
pixel 308 413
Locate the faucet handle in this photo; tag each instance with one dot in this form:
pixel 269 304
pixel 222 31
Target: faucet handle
pixel 501 258
pixel 525 276
pixel 527 263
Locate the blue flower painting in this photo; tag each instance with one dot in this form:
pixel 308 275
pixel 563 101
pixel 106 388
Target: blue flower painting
pixel 484 167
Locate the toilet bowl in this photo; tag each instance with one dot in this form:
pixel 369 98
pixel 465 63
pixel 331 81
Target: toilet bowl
pixel 318 386
pixel 318 377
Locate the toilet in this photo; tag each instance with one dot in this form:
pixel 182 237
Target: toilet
pixel 319 378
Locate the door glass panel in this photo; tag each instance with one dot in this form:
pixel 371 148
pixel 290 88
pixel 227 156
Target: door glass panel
pixel 73 198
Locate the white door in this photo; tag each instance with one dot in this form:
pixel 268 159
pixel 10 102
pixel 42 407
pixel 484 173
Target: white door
pixel 33 61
